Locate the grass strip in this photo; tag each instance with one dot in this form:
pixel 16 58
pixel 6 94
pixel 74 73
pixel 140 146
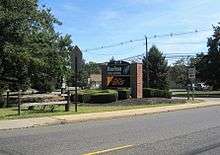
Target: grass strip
pixel 11 113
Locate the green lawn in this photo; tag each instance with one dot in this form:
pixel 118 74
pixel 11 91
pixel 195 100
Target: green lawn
pixel 11 113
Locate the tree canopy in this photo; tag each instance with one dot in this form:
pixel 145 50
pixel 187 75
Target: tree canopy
pixel 208 66
pixel 32 53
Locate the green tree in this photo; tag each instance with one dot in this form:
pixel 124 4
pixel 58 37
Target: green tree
pixel 178 74
pixel 92 68
pixel 158 69
pixel 84 73
pixel 53 66
pixel 14 30
pixel 32 52
pixel 208 66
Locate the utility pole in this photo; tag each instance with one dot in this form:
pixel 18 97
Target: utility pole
pixel 147 64
pixel 76 83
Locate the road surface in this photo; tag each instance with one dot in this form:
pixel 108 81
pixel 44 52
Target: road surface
pixel 195 131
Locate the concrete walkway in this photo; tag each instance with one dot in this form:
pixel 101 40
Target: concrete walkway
pixel 32 122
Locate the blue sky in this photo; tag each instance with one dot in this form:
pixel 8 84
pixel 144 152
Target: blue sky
pixel 94 23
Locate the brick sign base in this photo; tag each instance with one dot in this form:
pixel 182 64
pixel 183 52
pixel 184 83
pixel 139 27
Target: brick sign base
pixel 136 80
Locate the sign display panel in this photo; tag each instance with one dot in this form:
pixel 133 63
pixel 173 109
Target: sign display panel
pixel 118 74
pixel 117 81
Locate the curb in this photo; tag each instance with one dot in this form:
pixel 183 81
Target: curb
pixel 129 113
pixel 66 119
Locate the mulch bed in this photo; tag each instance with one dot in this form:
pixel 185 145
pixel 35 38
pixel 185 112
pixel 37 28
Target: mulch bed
pixel 142 101
pixel 150 101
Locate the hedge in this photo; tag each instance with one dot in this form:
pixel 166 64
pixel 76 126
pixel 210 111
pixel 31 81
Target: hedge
pixel 103 98
pixel 82 98
pixel 150 92
pixel 123 94
pixel 97 96
pixel 108 96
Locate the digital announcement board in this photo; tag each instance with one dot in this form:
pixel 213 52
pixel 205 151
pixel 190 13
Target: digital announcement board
pixel 118 74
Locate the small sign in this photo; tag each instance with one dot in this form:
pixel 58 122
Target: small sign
pixel 192 73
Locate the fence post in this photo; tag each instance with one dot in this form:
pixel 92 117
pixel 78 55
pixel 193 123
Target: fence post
pixel 7 100
pixel 5 104
pixel 67 106
pixel 19 102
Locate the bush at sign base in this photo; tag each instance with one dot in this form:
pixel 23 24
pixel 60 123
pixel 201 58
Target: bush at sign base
pixel 150 92
pixel 123 94
pixel 97 96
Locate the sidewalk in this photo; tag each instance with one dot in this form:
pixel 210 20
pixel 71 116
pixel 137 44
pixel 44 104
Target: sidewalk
pixel 32 122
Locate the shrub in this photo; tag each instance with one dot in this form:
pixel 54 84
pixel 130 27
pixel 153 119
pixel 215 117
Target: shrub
pixel 104 98
pixel 97 96
pixel 44 86
pixel 149 92
pixel 83 98
pixel 123 94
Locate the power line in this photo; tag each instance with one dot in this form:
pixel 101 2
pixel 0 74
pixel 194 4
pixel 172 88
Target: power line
pixel 163 43
pixel 142 39
pixel 185 53
pixel 165 54
pixel 179 43
pixel 104 53
pixel 177 56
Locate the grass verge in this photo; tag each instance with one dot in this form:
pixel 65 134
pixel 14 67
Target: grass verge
pixel 215 94
pixel 11 113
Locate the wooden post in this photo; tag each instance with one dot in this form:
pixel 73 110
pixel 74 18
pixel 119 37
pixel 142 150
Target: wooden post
pixel 193 90
pixel 188 89
pixel 7 100
pixel 67 106
pixel 19 102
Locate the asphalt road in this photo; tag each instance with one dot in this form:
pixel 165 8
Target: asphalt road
pixel 195 131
